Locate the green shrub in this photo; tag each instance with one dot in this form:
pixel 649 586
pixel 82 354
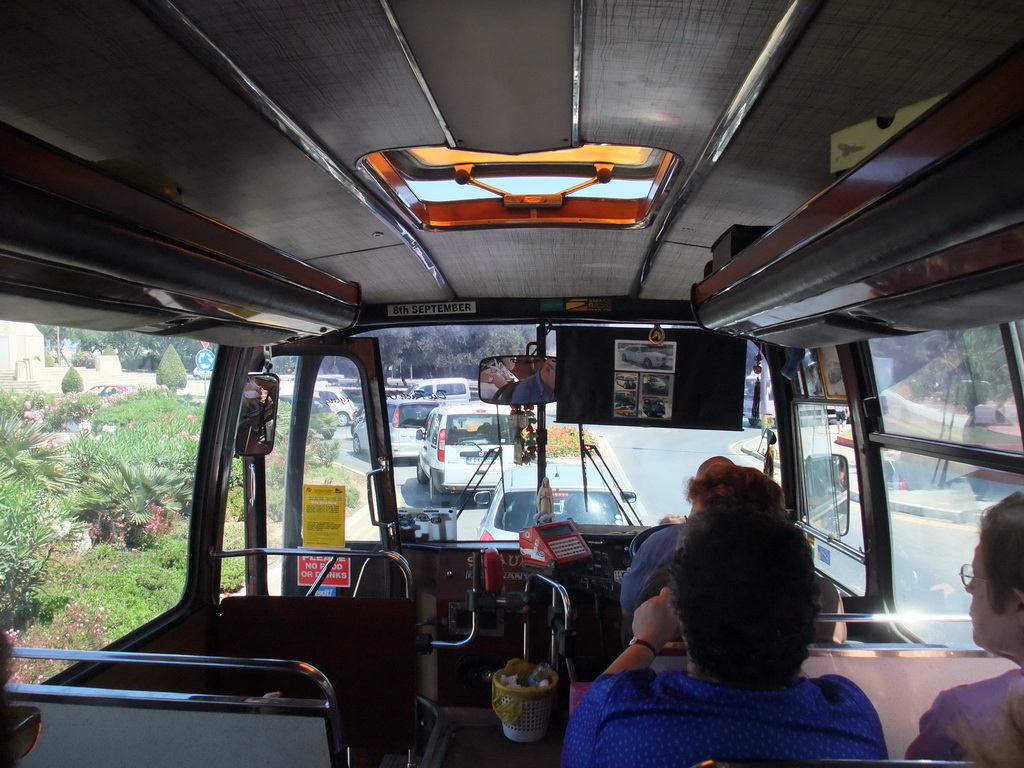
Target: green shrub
pixel 565 441
pixel 32 523
pixel 72 381
pixel 48 360
pixel 83 360
pixel 171 371
pixel 72 409
pixel 136 585
pixel 232 569
pixel 77 626
pixel 326 451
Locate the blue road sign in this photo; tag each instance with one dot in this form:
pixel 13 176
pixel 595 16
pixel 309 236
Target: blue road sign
pixel 204 360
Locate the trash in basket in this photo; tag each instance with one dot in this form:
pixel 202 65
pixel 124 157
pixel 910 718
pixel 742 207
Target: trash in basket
pixel 522 695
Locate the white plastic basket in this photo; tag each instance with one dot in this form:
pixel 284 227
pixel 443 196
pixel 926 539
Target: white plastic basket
pixel 533 722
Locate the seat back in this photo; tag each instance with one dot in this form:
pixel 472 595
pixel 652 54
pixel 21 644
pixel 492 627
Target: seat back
pixel 104 727
pixel 365 647
pixel 829 764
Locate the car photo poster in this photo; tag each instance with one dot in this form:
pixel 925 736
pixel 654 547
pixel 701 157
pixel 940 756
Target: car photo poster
pixel 643 380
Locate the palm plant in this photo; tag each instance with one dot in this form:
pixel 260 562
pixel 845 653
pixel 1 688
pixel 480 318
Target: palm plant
pixel 121 497
pixel 28 451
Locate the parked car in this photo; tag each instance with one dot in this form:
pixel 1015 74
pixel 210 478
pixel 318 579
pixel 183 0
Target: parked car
pixel 336 401
pixel 654 407
pixel 107 390
pixel 405 418
pixel 449 390
pixel 648 357
pixel 321 419
pixel 455 441
pixel 339 404
pixel 512 506
pixel 656 385
pixel 625 381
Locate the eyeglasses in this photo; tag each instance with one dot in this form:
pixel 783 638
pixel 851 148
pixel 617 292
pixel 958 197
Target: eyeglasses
pixel 967 575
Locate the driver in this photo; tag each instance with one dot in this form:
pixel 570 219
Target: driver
pixel 539 387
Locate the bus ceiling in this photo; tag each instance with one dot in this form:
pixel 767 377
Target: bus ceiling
pixel 924 234
pixel 83 247
pixel 262 120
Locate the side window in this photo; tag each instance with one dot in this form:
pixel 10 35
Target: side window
pixel 318 451
pixel 96 476
pixel 435 423
pixel 829 506
pixel 954 391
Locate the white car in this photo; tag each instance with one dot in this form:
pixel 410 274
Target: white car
pixel 449 390
pixel 512 506
pixel 339 404
pixel 456 441
pixel 336 400
pixel 640 354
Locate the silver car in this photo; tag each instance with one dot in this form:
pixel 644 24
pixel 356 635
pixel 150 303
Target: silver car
pixel 404 418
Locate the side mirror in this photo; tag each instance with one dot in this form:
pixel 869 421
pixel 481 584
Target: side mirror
pixel 518 379
pixel 258 420
pixel 628 496
pixel 482 498
pixel 421 434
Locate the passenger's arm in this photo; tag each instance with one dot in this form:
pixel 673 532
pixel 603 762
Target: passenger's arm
pixel 654 623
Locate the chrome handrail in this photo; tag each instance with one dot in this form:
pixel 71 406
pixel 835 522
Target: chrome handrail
pixel 891 618
pixel 397 558
pixel 180 659
pixel 557 590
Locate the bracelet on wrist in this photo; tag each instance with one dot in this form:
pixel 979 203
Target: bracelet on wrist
pixel 645 644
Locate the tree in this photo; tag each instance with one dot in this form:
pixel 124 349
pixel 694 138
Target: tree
pixel 72 381
pixel 171 371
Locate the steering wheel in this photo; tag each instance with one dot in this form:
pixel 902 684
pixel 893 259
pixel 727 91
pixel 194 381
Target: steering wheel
pixel 641 537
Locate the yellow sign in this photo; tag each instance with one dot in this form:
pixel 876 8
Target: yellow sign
pixel 323 516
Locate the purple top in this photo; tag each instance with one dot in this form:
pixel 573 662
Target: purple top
pixel 634 719
pixel 974 704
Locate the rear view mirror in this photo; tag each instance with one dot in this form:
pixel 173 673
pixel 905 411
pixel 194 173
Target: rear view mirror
pixel 517 379
pixel 258 419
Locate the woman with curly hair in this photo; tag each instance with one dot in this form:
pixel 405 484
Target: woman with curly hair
pixel 743 587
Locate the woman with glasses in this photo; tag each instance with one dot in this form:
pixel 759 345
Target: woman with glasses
pixel 995 582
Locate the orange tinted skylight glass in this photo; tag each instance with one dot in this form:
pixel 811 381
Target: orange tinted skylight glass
pixel 536 189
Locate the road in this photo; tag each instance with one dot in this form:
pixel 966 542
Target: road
pixel 654 463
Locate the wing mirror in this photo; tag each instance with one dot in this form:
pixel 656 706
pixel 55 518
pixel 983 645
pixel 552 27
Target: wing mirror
pixel 518 379
pixel 258 420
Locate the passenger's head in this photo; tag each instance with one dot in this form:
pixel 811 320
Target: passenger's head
pixel 1001 550
pixel 997 590
pixel 743 587
pixel 719 482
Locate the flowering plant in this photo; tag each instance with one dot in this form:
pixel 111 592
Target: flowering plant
pixel 524 437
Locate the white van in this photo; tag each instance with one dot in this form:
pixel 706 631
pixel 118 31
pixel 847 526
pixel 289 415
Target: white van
pixel 455 441
pixel 449 390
